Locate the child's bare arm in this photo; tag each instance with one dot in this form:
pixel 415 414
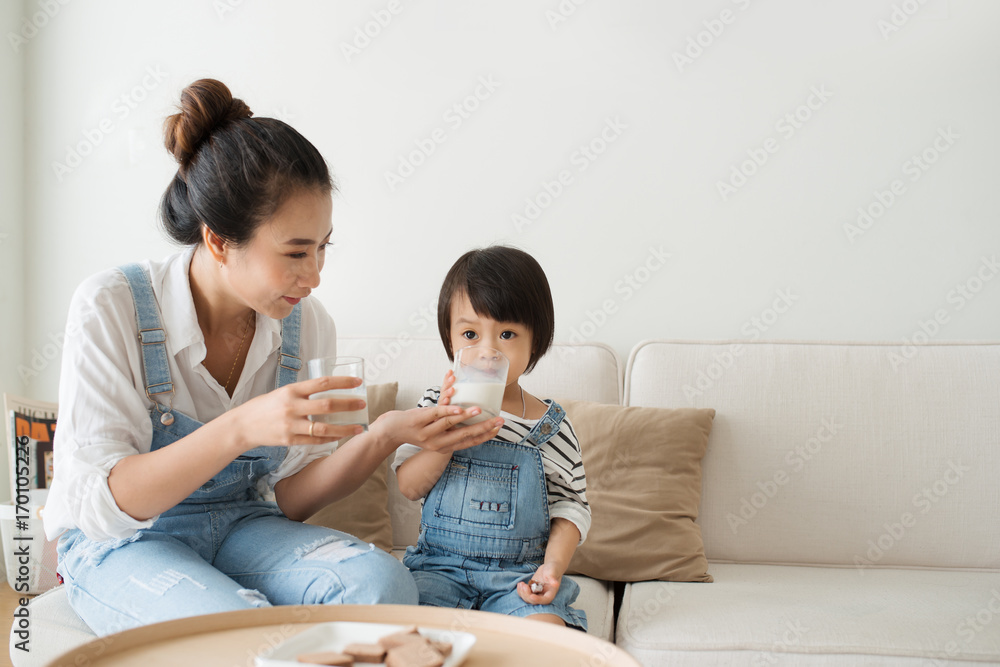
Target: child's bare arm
pixel 563 538
pixel 419 473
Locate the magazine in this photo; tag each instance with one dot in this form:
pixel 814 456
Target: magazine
pixel 31 427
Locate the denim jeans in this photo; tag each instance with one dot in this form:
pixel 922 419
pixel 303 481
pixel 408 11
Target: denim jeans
pixel 449 580
pixel 172 570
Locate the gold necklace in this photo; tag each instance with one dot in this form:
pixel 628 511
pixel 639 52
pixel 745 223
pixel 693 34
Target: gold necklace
pixel 246 328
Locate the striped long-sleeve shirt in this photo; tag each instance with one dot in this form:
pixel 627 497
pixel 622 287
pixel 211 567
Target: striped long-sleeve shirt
pixel 561 460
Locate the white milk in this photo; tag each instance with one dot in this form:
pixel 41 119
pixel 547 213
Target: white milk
pixel 349 418
pixel 488 396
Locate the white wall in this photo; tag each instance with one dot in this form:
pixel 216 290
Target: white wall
pixel 11 216
pixel 682 129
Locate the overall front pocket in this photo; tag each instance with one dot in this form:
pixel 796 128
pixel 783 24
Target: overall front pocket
pixel 478 492
pixel 246 468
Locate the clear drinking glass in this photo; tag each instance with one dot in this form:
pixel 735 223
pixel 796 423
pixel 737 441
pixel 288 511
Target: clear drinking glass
pixel 340 367
pixel 480 380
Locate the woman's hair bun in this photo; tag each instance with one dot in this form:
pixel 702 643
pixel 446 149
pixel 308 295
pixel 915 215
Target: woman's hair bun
pixel 206 105
pixel 235 170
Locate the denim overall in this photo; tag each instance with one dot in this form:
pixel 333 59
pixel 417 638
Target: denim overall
pixel 485 526
pixel 223 547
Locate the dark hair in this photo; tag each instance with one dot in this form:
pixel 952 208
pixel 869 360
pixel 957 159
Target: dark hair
pixel 235 171
pixel 505 284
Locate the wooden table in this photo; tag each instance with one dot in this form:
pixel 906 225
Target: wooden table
pixel 235 638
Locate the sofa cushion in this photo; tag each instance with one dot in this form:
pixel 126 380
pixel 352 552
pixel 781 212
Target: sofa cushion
pixel 838 453
pixel 597 599
pixel 643 469
pixel 365 513
pixel 778 614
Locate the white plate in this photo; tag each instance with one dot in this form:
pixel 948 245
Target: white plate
pixel 336 636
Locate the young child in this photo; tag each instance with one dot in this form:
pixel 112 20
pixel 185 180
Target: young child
pixel 499 516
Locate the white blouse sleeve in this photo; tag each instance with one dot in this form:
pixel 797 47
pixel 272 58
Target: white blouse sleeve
pixel 102 418
pixel 318 338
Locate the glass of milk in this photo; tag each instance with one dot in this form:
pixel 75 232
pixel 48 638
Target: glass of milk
pixel 480 380
pixel 341 367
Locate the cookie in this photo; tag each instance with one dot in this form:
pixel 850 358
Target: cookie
pixel 365 652
pixel 414 654
pixel 399 638
pixel 444 648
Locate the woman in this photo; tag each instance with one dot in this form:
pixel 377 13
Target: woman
pixel 180 405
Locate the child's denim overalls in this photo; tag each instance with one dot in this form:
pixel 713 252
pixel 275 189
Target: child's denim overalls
pixel 485 526
pixel 224 547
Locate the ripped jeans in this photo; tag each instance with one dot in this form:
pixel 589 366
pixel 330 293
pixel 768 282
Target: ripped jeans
pixel 224 556
pixel 222 548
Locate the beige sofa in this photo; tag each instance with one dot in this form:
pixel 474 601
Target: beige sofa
pixel 849 506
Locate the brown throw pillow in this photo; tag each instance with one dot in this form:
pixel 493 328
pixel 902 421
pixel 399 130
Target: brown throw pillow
pixel 643 469
pixel 365 513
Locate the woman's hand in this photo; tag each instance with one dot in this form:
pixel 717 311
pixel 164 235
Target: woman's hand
pixel 281 417
pixel 549 578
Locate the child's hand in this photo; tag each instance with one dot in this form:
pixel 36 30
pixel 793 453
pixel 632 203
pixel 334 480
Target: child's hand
pixel 437 428
pixel 446 388
pixel 550 581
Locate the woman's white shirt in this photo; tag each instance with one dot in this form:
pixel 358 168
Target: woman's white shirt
pixel 103 407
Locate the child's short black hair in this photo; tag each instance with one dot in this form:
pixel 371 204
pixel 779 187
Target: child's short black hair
pixel 505 284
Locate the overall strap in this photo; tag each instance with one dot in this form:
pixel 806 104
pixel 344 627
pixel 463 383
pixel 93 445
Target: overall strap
pixel 289 363
pixel 152 337
pixel 548 425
